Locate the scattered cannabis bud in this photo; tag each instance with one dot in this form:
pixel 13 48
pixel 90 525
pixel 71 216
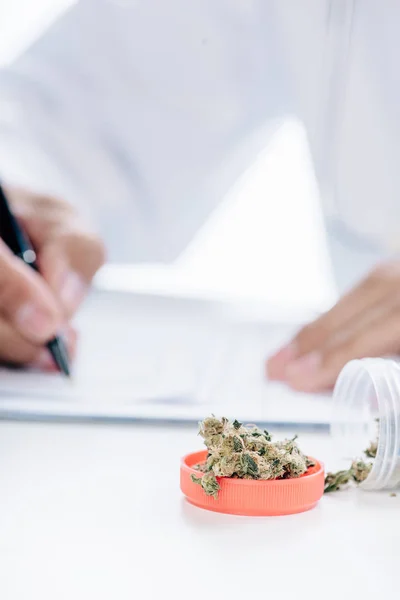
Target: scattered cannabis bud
pixel 333 481
pixel 245 452
pixel 372 449
pixel 358 471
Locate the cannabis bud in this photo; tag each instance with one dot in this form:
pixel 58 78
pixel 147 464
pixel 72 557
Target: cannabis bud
pixel 208 482
pixel 333 481
pixel 245 452
pixel 372 449
pixel 358 471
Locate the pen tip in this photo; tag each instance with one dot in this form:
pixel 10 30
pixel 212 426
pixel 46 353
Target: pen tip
pixel 60 356
pixel 63 365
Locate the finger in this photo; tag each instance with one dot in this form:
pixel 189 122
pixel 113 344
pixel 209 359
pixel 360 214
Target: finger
pixel 371 292
pixel 276 364
pixel 353 311
pixel 69 252
pixel 15 349
pixel 318 371
pixel 289 357
pixel 25 299
pixel 69 264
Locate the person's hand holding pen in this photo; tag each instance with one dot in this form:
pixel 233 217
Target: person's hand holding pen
pixel 33 306
pixel 365 322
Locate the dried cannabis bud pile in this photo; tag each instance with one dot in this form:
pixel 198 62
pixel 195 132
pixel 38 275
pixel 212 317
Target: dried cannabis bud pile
pixel 245 453
pixel 358 471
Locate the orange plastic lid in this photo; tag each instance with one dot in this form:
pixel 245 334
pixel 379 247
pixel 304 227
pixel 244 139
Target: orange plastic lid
pixel 254 497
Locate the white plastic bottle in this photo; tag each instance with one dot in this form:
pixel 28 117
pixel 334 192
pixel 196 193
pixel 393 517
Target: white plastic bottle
pixel 366 406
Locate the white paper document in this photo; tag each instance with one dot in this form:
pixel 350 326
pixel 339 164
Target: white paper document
pixel 164 359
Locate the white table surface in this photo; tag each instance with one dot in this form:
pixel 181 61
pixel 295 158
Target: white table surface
pixel 81 518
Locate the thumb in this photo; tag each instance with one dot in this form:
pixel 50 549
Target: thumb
pixel 25 299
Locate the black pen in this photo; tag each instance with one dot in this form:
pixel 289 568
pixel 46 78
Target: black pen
pixel 15 238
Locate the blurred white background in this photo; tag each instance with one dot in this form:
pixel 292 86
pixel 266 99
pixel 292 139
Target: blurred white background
pixel 21 21
pixel 265 239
